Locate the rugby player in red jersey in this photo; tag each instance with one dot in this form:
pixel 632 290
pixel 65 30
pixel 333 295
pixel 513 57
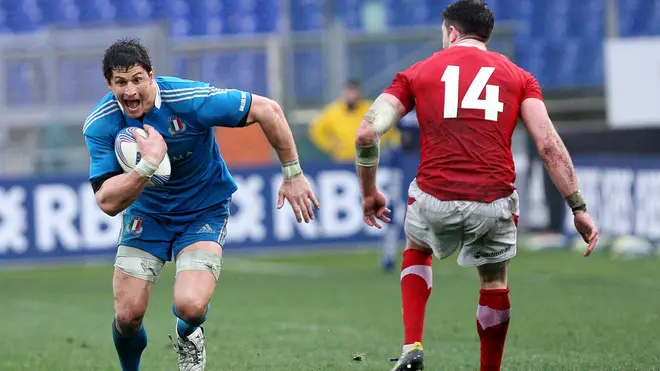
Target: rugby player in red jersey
pixel 468 101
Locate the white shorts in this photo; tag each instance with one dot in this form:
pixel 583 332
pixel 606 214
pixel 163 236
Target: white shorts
pixel 485 233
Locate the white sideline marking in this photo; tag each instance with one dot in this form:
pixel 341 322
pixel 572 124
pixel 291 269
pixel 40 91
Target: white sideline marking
pixel 278 269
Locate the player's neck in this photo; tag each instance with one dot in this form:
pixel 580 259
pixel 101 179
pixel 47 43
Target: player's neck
pixel 470 42
pixel 151 102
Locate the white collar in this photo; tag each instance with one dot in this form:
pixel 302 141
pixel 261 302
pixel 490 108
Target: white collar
pixel 463 43
pixel 157 101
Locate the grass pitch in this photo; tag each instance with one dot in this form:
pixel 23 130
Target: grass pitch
pixel 317 311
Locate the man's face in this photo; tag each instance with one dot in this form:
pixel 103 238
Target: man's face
pixel 352 94
pixel 134 90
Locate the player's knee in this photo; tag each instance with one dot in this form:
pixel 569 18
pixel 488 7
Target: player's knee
pixel 129 318
pixel 412 245
pixel 191 309
pixel 493 276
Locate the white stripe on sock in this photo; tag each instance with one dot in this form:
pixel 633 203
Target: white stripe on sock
pixel 424 271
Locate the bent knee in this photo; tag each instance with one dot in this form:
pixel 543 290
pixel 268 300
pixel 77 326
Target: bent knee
pixel 493 276
pixel 129 318
pixel 191 310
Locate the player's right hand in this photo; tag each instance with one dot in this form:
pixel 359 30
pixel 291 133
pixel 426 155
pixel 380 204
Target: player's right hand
pixel 152 148
pixel 374 206
pixel 586 227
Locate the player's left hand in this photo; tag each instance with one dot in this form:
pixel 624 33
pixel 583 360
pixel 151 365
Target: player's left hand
pixel 374 206
pixel 298 192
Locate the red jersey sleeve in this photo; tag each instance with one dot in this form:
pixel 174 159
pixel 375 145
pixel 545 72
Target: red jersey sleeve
pixel 401 89
pixel 531 88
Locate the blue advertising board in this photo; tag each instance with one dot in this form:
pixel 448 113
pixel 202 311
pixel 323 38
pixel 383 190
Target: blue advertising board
pixel 58 218
pixel 622 193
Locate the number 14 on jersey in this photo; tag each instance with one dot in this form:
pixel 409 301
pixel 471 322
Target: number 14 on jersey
pixel 491 105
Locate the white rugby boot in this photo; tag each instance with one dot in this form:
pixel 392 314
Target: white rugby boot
pixel 191 350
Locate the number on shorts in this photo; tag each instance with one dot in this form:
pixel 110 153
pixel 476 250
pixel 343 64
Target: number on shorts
pixel 491 105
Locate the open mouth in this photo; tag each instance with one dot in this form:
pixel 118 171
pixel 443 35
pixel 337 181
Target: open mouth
pixel 132 105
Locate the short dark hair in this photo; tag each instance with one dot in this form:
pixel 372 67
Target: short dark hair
pixel 472 18
pixel 353 84
pixel 124 54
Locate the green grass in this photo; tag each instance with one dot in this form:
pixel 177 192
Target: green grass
pixel 314 312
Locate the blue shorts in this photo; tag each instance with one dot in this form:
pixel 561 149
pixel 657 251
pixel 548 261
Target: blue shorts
pixel 165 236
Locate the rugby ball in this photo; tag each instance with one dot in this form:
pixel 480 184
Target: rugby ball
pixel 128 155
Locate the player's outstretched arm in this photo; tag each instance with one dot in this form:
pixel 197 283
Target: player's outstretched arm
pixel 559 165
pixel 384 113
pixel 120 191
pixel 295 187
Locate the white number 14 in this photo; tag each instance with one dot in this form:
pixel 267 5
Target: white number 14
pixel 491 105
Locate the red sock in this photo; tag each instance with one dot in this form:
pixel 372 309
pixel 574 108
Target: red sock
pixel 416 282
pixel 493 316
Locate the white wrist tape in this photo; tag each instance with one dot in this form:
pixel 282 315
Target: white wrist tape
pixel 291 169
pixel 367 156
pixel 145 169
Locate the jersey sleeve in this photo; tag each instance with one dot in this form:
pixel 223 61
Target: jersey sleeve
pixel 401 89
pixel 98 131
pixel 531 87
pixel 102 158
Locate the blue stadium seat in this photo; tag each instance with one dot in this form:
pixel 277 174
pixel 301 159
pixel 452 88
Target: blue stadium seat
pixel 349 12
pixel 23 15
pixel 266 14
pixel 308 81
pixel 239 70
pixel 307 15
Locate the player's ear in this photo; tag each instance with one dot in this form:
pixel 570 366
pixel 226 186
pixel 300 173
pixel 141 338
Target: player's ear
pixel 151 73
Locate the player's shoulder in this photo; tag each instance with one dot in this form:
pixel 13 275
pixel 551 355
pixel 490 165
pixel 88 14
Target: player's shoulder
pixel 170 85
pixel 105 117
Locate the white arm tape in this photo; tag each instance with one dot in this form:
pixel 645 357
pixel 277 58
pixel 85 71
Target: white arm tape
pixel 385 115
pixel 145 169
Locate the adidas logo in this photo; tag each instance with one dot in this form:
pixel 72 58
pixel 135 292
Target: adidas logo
pixel 206 229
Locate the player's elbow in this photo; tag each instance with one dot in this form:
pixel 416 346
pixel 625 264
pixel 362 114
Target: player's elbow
pixel 107 205
pixel 263 109
pixel 366 135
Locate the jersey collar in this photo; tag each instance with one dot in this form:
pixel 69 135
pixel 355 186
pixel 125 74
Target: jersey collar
pixel 472 45
pixel 157 101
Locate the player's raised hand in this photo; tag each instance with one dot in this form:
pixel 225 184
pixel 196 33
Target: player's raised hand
pixel 153 147
pixel 298 192
pixel 374 208
pixel 587 228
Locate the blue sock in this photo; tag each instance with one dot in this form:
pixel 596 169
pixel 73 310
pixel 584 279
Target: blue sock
pixel 129 348
pixel 184 328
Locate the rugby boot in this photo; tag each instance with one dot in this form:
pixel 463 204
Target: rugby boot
pixel 410 360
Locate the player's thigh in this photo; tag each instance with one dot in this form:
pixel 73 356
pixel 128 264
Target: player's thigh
pixel 433 224
pixel 490 232
pixel 198 257
pixel 135 273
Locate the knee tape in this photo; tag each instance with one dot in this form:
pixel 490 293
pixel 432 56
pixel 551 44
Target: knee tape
pixel 199 261
pixel 137 263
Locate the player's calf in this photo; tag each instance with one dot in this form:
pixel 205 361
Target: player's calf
pixel 416 284
pixel 493 314
pixel 135 272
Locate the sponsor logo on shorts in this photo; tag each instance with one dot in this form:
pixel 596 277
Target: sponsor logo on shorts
pixel 493 254
pixel 206 229
pixel 134 225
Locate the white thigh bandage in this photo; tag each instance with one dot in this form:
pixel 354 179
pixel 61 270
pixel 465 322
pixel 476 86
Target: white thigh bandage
pixel 137 263
pixel 199 261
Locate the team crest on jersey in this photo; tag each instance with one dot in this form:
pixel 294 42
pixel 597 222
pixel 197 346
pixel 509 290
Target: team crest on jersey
pixel 134 225
pixel 177 126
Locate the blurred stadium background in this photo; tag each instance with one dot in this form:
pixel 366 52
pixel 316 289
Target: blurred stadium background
pixel 597 61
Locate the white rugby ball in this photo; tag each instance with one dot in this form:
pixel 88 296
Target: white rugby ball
pixel 128 155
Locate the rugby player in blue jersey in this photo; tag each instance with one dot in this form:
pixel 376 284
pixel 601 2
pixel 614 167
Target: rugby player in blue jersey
pixel 186 219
